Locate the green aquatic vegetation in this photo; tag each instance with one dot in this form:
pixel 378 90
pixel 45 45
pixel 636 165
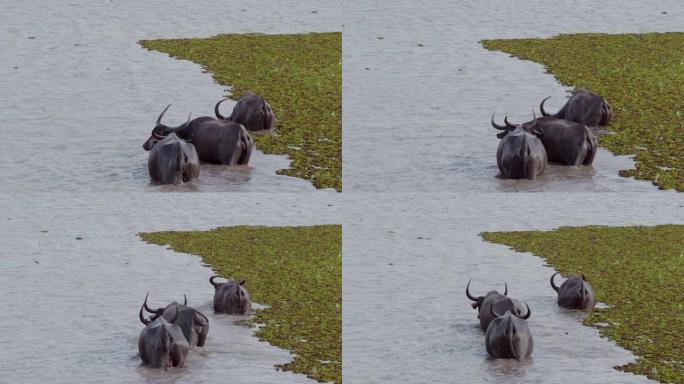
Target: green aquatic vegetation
pixel 638 272
pixel 641 75
pixel 300 76
pixel 296 271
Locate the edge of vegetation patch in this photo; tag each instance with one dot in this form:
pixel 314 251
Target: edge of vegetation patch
pixel 641 76
pixel 296 271
pixel 300 75
pixel 638 272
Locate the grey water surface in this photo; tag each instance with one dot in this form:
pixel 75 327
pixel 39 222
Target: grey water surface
pixel 79 96
pixel 71 305
pixel 408 258
pixel 419 90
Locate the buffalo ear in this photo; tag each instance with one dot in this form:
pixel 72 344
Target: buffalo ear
pixel 502 134
pixel 537 132
pixel 242 282
pixel 475 305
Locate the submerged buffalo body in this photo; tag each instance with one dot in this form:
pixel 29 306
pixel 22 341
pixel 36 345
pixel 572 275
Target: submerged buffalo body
pixel 574 293
pixel 161 344
pixel 231 297
pixel 173 161
pixel 520 155
pixel 216 141
pixel 584 107
pixel 566 142
pixel 493 301
pixel 508 336
pixel 193 323
pixel 252 111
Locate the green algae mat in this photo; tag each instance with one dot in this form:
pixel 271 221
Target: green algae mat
pixel 641 75
pixel 638 272
pixel 296 271
pixel 299 75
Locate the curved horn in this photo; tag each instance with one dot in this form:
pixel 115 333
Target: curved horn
pixel 497 126
pixel 185 303
pixel 541 107
pixel 142 318
pixel 506 289
pixel 211 280
pixel 148 308
pixel 491 309
pixel 175 317
pixel 180 127
pixel 140 314
pixel 534 122
pixel 216 109
pixel 553 285
pixel 162 114
pixel 509 125
pixel 202 314
pixel 471 297
pixel 527 315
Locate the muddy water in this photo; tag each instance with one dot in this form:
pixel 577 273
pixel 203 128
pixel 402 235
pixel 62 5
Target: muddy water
pixel 72 304
pixel 79 96
pixel 407 259
pixel 419 90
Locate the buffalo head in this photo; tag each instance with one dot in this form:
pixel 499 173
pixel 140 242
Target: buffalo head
pixel 574 293
pixel 530 127
pixel 160 131
pixel 493 299
pixel 584 107
pixel 231 297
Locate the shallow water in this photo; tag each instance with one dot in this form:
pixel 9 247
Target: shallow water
pixel 419 90
pixel 79 96
pixel 408 258
pixel 72 305
pixel 413 123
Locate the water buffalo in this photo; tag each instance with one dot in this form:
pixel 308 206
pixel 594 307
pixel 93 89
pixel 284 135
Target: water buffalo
pixel 161 344
pixel 574 293
pixel 173 161
pixel 520 155
pixel 252 111
pixel 493 299
pixel 193 323
pixel 566 142
pixel 508 336
pixel 583 107
pixel 231 297
pixel 216 141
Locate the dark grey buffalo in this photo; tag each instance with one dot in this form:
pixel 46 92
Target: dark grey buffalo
pixel 575 292
pixel 231 297
pixel 520 155
pixel 493 299
pixel 216 141
pixel 173 161
pixel 508 336
pixel 583 107
pixel 193 323
pixel 252 111
pixel 161 343
pixel 566 142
